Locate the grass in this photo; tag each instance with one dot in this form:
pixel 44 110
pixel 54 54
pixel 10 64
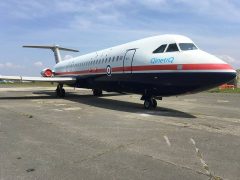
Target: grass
pixel 28 84
pixel 48 84
pixel 217 90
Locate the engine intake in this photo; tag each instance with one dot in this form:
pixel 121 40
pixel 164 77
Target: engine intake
pixel 47 72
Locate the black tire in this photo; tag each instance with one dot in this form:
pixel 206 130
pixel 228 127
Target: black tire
pixel 58 92
pixel 97 92
pixel 154 103
pixel 147 104
pixel 62 92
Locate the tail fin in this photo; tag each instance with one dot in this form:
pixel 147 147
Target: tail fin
pixel 55 49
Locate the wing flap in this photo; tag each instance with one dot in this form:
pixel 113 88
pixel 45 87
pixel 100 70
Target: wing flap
pixel 40 79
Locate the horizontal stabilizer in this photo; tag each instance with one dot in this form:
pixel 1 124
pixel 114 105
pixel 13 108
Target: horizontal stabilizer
pixel 39 79
pixel 55 48
pixel 50 47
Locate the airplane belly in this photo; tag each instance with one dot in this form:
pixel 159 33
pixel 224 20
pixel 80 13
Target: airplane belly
pixel 161 84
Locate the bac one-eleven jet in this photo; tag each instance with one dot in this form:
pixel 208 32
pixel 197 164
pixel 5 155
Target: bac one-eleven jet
pixel 153 67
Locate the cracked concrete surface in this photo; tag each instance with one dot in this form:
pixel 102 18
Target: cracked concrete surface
pixel 113 137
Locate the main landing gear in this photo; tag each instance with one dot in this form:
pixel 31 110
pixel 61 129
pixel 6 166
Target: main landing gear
pixel 97 92
pixel 149 102
pixel 60 91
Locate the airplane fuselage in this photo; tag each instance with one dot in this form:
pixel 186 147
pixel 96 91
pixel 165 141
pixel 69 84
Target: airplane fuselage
pixel 157 66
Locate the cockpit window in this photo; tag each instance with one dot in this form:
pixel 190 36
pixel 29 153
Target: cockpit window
pixel 160 49
pixel 187 46
pixel 172 48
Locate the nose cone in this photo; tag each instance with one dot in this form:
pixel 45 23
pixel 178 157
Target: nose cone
pixel 226 77
pixel 211 71
pixel 225 72
pixel 229 73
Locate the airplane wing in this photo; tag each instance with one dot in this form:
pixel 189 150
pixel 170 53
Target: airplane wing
pixel 40 79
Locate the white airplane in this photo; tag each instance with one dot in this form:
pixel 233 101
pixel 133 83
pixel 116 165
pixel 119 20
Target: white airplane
pixel 154 67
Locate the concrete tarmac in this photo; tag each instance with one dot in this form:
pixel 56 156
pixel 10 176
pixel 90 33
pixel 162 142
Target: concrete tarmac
pixel 114 137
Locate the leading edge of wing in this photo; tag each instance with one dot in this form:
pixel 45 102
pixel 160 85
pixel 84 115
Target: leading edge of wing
pixel 39 79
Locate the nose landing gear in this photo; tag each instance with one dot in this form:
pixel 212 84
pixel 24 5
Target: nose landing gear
pixel 60 92
pixel 149 102
pixel 97 92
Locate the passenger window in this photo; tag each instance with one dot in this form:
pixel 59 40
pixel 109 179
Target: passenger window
pixel 106 60
pixel 113 59
pixel 172 48
pixel 160 49
pixel 109 59
pixel 117 58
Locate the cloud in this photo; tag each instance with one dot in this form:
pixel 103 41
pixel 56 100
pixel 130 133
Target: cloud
pixel 224 10
pixel 10 65
pixel 81 23
pixel 98 24
pixel 66 57
pixel 230 60
pixel 38 64
pixel 227 58
pixel 25 9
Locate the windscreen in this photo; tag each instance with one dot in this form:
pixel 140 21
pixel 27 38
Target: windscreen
pixel 172 48
pixel 187 46
pixel 161 49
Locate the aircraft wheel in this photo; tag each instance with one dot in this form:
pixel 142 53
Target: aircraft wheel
pixel 154 103
pixel 60 91
pixel 97 92
pixel 147 103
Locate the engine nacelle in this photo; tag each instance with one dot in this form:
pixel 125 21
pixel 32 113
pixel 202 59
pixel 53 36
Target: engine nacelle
pixel 47 72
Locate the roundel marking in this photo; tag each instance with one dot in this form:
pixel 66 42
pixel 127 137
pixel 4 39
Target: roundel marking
pixel 109 70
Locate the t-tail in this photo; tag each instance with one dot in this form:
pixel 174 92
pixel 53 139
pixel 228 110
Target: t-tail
pixel 55 48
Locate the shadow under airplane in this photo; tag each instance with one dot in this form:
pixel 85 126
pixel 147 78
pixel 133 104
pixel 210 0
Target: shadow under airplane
pixel 104 103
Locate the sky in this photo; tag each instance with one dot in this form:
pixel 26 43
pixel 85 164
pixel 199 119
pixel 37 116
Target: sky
pixel 94 25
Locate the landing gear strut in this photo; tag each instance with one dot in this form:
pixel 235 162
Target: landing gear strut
pixel 97 92
pixel 60 91
pixel 149 102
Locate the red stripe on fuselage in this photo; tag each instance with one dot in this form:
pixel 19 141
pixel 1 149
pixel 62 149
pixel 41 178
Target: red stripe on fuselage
pixel 206 67
pixel 178 67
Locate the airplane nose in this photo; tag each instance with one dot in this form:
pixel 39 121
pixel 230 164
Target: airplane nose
pixel 228 76
pixel 217 78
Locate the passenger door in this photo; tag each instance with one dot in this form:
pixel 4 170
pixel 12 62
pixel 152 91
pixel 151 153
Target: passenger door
pixel 128 60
